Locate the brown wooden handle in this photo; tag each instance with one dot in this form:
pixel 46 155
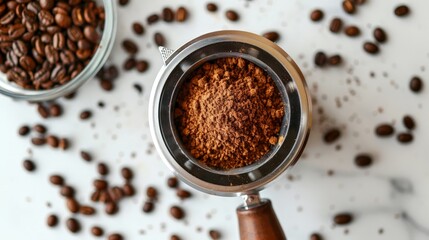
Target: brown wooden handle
pixel 259 222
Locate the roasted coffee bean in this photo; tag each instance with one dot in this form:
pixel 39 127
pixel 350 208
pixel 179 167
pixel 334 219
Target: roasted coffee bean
pixel 55 110
pixel 127 173
pixel 97 231
pixel 335 60
pixel 172 182
pixel 86 114
pixel 370 48
pixel 100 184
pixel 363 160
pixel 128 190
pixel 130 46
pixel 27 63
pixel 272 36
pixel 175 237
pixel 52 220
pixel 409 122
pixel 384 130
pixel 151 193
pixel 40 128
pixel 416 84
pixel 63 20
pixel 102 169
pixel 316 15
pixel 45 18
pixel 16 31
pixel 67 191
pixel 181 14
pixel 129 64
pixel 85 156
pixel 43 112
pixel 72 205
pixel 123 2
pixel 343 218
pixel 63 144
pixel 73 225
pixel 24 130
pixel 148 207
pixel 183 194
pixel 91 34
pixel 56 180
pixel 352 31
pixel 349 6
pixel 95 196
pixel 142 65
pixel 402 10
pixel 75 33
pixel 52 141
pixel 152 19
pixel 232 15
pixel 29 165
pixel 37 141
pixel 380 35
pixel 214 234
pixel 84 44
pixel 336 25
pixel 111 208
pixel 106 85
pixel 47 4
pixel 320 59
pixel 138 28
pixel 405 137
pixel 19 48
pixel 159 39
pixel 177 212
pixel 316 236
pixel 87 210
pixel 115 236
pixel 332 135
pixel 211 7
pixel 77 16
pixel 116 194
pixel 167 14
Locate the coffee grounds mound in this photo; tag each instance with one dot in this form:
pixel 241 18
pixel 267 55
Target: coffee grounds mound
pixel 229 113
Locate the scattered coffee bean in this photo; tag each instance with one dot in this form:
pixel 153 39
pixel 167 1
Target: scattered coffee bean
pixel 111 208
pixel 138 87
pixel 104 197
pixel 151 193
pixel 116 194
pixel 152 19
pixel 384 130
pixel 402 10
pixel 85 156
pixel 52 220
pixel 214 234
pixel 167 14
pixel 72 205
pixel 73 225
pixel 172 182
pixel 127 173
pixel 380 35
pixel 336 25
pixel 67 191
pixel 138 28
pixel 332 135
pixel 128 190
pixel 181 14
pixel 409 122
pixel 352 31
pixel 183 194
pixel 320 59
pixel 43 111
pixel 56 180
pixel 52 141
pixel 37 141
pixel 175 237
pixel 148 207
pixel 130 46
pixel 55 110
pixel 87 210
pixel 129 64
pixel 159 39
pixel 405 137
pixel 40 128
pixel 211 7
pixel 123 2
pixel 63 143
pixel 102 169
pixel 97 231
pixel 316 236
pixel 370 48
pixel 86 114
pixel 100 184
pixel 416 84
pixel 349 6
pixel 177 212
pixel 29 165
pixel 24 130
pixel 272 36
pixel 142 66
pixel 115 236
pixel 363 160
pixel 335 60
pixel 316 15
pixel 232 15
pixel 343 218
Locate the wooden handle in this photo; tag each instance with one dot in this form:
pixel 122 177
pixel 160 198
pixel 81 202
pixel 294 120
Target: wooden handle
pixel 259 222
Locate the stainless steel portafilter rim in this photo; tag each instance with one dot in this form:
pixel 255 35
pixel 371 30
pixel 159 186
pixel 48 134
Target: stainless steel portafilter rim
pixel 290 82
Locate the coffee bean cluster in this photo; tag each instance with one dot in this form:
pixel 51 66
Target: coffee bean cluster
pixel 40 137
pixel 384 130
pixel 44 44
pixel 49 109
pixel 322 60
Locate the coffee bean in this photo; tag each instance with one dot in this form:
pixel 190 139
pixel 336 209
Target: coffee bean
pixel 86 114
pixel 272 36
pixel 384 130
pixel 100 184
pixel 72 205
pixel 47 4
pixel 332 135
pixel 102 169
pixel 123 2
pixel 177 212
pixel 159 39
pixel 55 110
pixel 85 156
pixel 336 25
pixel 151 193
pixel 214 234
pixel 380 35
pixel 52 220
pixel 363 160
pixel 152 19
pixel 73 225
pixel 148 207
pixel 316 236
pixel 211 7
pixel 87 210
pixel 37 141
pixel 409 122
pixel 129 64
pixel 29 165
pixel 40 128
pixel 175 237
pixel 142 66
pixel 138 28
pixel 405 137
pixel 343 218
pixel 402 10
pixel 63 144
pixel 172 182
pixel 67 191
pixel 128 190
pixel 116 194
pixel 335 60
pixel 183 194
pixel 316 15
pixel 167 14
pixel 97 231
pixel 130 46
pixel 24 130
pixel 52 141
pixel 127 173
pixel 232 15
pixel 63 20
pixel 104 197
pixel 111 208
pixel 416 84
pixel 43 112
pixel 106 85
pixel 352 31
pixel 370 48
pixel 115 236
pixel 349 6
pixel 181 14
pixel 320 59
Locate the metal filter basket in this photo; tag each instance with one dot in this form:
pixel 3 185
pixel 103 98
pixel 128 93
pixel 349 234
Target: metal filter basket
pixel 256 216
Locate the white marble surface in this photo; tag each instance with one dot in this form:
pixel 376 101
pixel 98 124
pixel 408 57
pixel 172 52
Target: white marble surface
pixel 391 195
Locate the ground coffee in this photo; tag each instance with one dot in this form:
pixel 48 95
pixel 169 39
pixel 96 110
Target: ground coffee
pixel 229 113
